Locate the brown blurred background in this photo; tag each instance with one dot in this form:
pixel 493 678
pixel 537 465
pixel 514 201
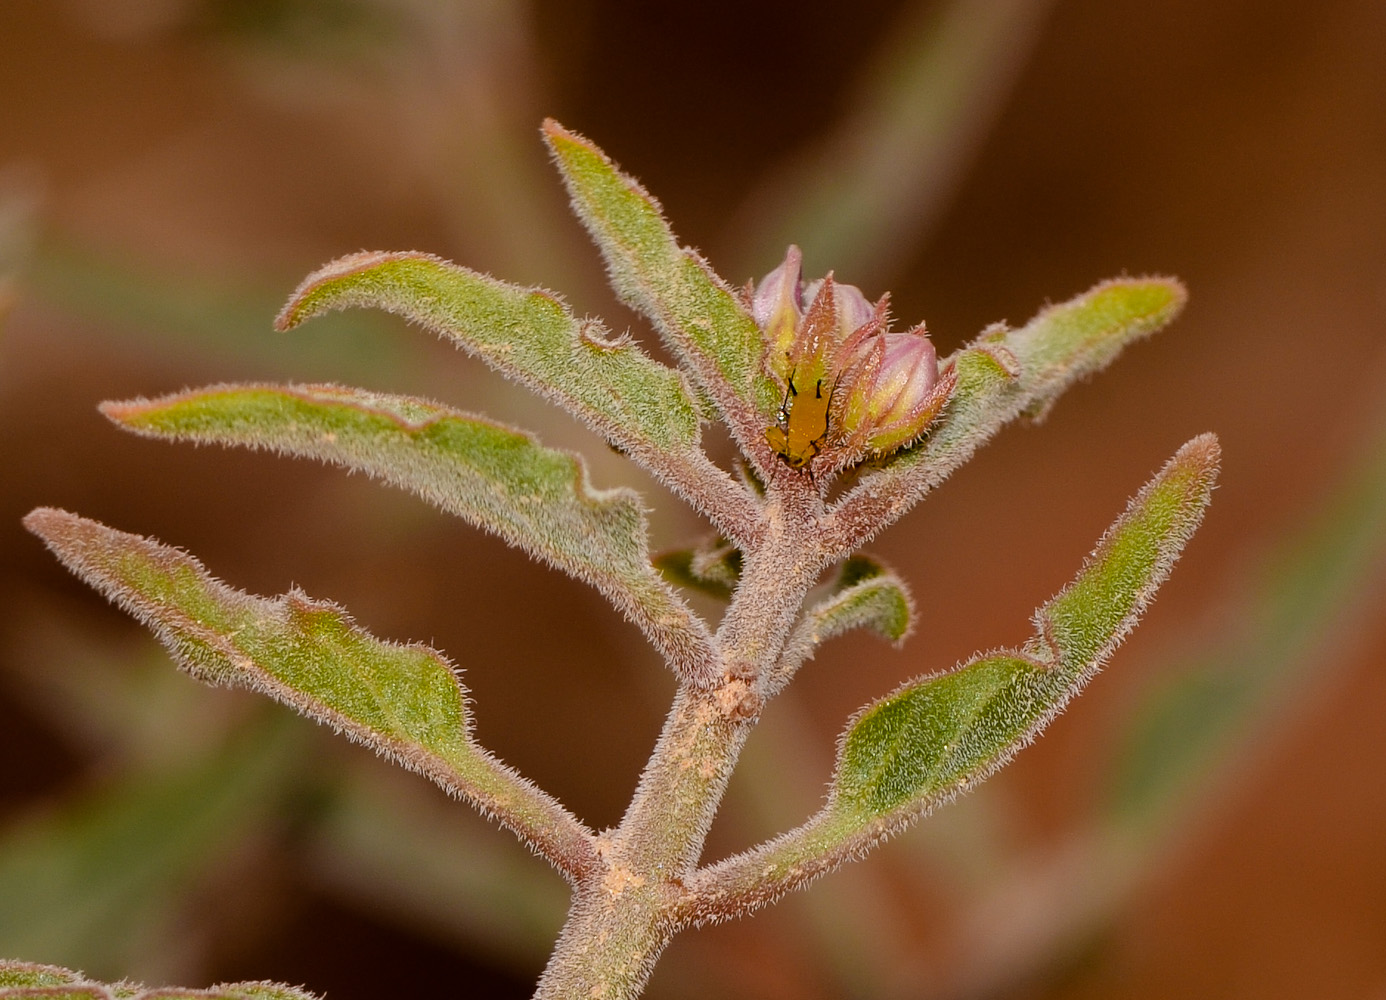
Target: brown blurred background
pixel 1208 820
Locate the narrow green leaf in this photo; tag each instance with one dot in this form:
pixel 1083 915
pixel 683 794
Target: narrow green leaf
pixel 869 189
pixel 700 317
pixel 1320 583
pixel 494 476
pixel 940 735
pixel 642 407
pixel 1078 338
pixel 946 732
pixel 1003 375
pixel 405 701
pixel 25 979
pixel 392 848
pixel 527 334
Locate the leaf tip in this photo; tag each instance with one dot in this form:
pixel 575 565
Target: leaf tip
pixel 329 287
pixel 46 522
pixel 123 412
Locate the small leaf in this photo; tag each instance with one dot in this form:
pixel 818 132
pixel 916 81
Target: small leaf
pixel 877 600
pixel 865 595
pixel 405 701
pixel 699 316
pixel 940 735
pixel 25 979
pixel 1006 374
pixel 713 567
pixel 494 476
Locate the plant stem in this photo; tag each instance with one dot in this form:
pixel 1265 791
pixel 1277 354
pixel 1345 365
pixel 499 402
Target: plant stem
pixel 624 915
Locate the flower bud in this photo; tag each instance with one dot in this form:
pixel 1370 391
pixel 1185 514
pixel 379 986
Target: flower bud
pixel 893 392
pixel 776 303
pixel 851 388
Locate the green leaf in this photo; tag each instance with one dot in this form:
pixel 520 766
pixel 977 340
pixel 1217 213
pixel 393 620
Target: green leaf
pixel 699 316
pixel 390 847
pixel 1078 338
pixel 25 979
pixel 940 735
pixel 713 567
pixel 1320 582
pixel 878 601
pixel 104 878
pixel 494 476
pixel 944 733
pixel 405 701
pixel 865 595
pixel 1006 374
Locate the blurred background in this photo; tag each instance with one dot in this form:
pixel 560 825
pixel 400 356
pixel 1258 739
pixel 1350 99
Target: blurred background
pixel 1209 819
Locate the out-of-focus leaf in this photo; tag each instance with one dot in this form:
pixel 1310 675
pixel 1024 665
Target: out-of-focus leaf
pixel 700 317
pixel 643 407
pixel 25 979
pixel 396 849
pixel 1003 375
pixel 405 701
pixel 494 476
pixel 868 190
pixel 188 312
pixel 1198 714
pixel 18 209
pixel 939 736
pixel 100 881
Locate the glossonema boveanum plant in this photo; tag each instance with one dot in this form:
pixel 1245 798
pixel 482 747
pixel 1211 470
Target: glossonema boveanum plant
pixel 842 425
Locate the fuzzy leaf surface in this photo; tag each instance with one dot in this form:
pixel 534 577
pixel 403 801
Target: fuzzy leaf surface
pixel 405 701
pixel 526 333
pixel 956 728
pixel 1003 375
pixel 939 735
pixel 27 979
pixel 642 407
pixel 699 316
pixel 495 477
pixel 867 595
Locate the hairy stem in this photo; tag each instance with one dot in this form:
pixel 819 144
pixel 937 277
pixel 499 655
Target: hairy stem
pixel 622 918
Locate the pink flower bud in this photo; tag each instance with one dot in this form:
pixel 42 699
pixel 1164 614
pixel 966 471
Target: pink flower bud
pixel 851 388
pixel 777 303
pixel 893 392
pixel 853 310
pixel 811 323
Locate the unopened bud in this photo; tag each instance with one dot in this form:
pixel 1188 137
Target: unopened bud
pixel 850 387
pixel 894 392
pixel 777 304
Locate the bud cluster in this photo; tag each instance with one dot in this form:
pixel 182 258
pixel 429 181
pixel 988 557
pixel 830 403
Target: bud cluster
pixel 852 388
